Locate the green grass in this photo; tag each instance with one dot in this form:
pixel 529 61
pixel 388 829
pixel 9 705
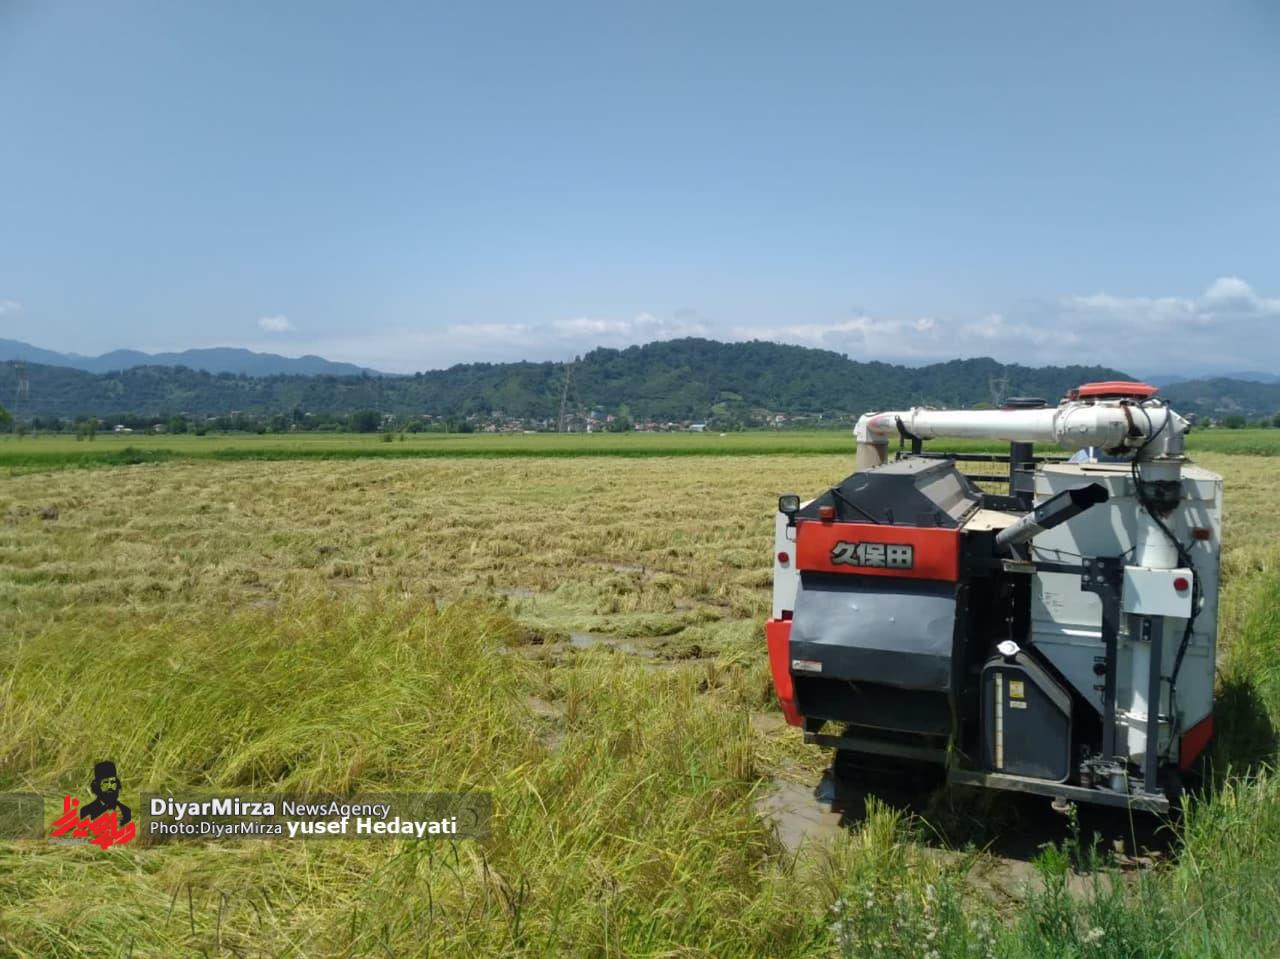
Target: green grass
pixel 1251 442
pixel 52 452
pixel 47 452
pixel 44 452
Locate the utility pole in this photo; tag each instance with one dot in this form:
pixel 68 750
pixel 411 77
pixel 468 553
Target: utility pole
pixel 998 387
pixel 564 396
pixel 22 391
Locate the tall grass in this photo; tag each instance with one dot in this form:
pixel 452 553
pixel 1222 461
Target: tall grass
pixel 219 626
pixel 1229 872
pixel 624 811
pixel 633 834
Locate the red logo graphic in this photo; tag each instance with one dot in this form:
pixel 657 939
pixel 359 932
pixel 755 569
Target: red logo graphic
pixel 106 821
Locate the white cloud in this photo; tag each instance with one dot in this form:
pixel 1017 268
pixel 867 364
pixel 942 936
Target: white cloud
pixel 482 332
pixel 10 306
pixel 861 336
pixel 996 329
pixel 586 326
pixel 278 323
pixel 1227 298
pixel 641 328
pixel 1230 294
pixel 406 350
pixel 1228 289
pixel 1228 327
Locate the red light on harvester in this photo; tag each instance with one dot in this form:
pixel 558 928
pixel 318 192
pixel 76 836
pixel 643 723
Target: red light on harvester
pixel 784 557
pixel 1202 533
pixel 1182 584
pixel 826 513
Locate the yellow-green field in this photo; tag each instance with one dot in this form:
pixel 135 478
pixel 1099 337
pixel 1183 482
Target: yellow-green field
pixel 579 635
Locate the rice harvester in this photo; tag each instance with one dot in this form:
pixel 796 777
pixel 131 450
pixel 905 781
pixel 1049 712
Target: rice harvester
pixel 1055 638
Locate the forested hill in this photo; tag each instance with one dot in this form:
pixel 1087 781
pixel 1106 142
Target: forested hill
pixel 685 380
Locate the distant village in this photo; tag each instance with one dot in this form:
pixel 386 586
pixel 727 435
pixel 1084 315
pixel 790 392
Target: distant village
pixel 389 424
pixel 373 421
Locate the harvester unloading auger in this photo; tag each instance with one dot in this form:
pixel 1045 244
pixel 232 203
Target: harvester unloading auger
pixel 1058 639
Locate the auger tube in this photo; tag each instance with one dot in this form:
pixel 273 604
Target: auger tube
pixel 1074 425
pixel 1052 512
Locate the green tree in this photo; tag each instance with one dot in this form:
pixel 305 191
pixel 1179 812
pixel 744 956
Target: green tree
pixel 1234 422
pixel 177 424
pixel 6 418
pixel 366 421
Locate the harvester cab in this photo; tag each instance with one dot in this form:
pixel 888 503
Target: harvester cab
pixel 1054 638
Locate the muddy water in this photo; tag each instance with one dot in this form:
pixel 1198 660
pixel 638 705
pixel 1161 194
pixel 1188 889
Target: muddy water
pixel 799 815
pixel 999 859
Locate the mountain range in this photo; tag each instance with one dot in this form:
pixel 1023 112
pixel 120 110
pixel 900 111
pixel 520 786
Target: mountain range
pixel 681 380
pixel 221 359
pixel 1249 376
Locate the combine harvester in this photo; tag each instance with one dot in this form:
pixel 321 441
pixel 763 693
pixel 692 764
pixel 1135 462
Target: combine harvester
pixel 1057 640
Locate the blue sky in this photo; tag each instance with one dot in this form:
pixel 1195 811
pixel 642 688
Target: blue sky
pixel 410 185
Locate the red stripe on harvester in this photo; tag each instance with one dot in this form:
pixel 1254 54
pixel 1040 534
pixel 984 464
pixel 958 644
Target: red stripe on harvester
pixel 777 635
pixel 1194 740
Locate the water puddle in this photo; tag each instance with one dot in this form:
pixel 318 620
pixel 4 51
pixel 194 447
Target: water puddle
pixel 800 813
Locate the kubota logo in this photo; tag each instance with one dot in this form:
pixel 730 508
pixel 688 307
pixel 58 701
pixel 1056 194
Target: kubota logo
pixel 876 555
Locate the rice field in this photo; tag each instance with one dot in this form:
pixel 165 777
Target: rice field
pixel 581 636
pixel 41 452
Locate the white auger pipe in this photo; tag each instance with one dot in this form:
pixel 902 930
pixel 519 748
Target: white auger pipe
pixel 1071 426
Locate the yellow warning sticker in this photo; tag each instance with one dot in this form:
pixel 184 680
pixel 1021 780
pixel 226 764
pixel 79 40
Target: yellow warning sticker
pixel 1015 689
